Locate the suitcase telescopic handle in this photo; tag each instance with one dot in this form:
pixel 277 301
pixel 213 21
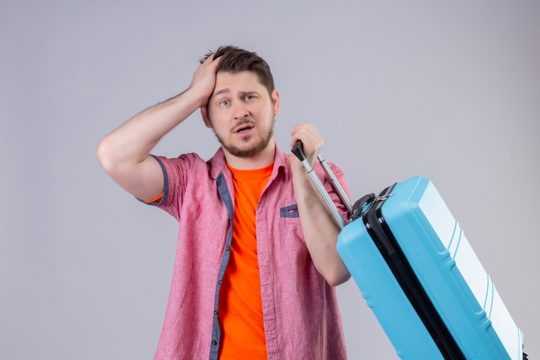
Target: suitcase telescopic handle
pixel 341 193
pixel 298 151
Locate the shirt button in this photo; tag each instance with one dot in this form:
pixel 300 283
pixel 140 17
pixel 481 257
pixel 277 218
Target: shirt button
pixel 214 342
pixel 220 281
pixel 228 248
pixel 215 312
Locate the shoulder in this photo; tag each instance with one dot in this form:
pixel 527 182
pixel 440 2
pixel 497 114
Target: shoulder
pixel 184 163
pixel 192 158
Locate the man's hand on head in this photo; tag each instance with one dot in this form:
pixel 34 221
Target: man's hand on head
pixel 204 80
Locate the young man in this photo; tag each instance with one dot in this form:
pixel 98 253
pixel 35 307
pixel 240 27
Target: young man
pixel 256 260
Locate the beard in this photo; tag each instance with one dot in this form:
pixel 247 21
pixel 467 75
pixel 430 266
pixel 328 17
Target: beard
pixel 251 151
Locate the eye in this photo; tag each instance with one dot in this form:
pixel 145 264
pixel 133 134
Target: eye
pixel 223 103
pixel 250 97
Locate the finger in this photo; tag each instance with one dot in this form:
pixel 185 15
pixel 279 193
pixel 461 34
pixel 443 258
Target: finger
pixel 203 61
pixel 214 64
pixel 304 137
pixel 311 130
pixel 210 58
pixel 305 134
pixel 309 136
pixel 302 129
pixel 215 60
pixel 296 128
pixel 295 136
pixel 314 135
pixel 310 143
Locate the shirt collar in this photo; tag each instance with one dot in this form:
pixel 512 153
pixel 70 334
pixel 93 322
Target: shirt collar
pixel 218 163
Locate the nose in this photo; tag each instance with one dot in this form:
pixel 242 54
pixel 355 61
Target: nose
pixel 240 112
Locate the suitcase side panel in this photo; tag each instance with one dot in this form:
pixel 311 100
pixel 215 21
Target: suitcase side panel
pixel 472 272
pixel 450 272
pixel 383 294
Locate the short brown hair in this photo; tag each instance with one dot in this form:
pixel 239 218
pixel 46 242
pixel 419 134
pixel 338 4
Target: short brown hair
pixel 235 60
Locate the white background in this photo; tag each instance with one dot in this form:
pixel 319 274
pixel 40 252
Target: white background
pixel 449 90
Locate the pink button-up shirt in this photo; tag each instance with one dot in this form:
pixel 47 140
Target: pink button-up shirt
pixel 300 309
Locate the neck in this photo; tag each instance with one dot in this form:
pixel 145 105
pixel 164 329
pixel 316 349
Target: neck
pixel 262 159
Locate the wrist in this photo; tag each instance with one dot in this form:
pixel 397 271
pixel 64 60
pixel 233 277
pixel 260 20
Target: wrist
pixel 199 98
pixel 304 188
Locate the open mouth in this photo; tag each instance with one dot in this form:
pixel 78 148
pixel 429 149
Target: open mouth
pixel 242 129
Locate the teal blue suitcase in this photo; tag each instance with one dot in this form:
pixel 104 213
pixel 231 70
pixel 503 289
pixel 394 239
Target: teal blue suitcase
pixel 420 276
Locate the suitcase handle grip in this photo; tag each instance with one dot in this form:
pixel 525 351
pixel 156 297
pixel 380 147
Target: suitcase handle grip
pixel 298 150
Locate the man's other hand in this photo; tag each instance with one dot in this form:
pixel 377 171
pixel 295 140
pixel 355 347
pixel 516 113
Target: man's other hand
pixel 311 139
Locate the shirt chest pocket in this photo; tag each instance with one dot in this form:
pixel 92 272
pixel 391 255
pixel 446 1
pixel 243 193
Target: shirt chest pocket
pixel 289 211
pixel 292 236
pixel 289 220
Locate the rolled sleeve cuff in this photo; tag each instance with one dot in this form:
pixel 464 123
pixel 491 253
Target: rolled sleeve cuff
pixel 161 199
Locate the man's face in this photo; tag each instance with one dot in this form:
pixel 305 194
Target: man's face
pixel 241 112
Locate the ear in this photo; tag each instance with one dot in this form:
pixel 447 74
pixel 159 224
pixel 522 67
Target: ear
pixel 206 119
pixel 275 100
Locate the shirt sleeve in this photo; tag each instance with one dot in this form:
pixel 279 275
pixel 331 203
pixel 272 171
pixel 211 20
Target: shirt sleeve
pixel 340 176
pixel 177 173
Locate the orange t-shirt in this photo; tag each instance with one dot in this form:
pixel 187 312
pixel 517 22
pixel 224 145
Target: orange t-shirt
pixel 240 304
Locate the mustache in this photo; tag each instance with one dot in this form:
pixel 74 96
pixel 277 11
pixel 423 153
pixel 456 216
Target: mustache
pixel 242 123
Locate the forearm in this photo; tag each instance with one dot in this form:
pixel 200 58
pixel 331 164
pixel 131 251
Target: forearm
pixel 131 143
pixel 319 228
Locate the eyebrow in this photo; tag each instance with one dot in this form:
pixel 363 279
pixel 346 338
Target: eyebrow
pixel 228 91
pixel 222 91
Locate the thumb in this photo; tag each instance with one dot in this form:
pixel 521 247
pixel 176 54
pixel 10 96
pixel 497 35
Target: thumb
pixel 296 128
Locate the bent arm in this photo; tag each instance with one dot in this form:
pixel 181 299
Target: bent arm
pixel 320 229
pixel 125 153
